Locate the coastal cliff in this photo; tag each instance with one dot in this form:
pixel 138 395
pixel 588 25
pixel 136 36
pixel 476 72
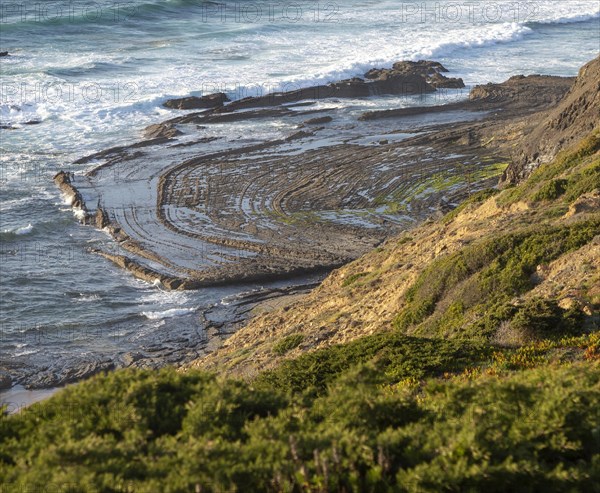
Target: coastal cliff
pixel 423 282
pixel 576 115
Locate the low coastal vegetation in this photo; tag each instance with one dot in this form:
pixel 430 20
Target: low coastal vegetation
pixel 409 416
pixel 486 378
pixel 288 343
pixel 569 176
pixel 470 293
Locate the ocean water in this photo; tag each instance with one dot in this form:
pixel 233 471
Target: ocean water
pixel 83 76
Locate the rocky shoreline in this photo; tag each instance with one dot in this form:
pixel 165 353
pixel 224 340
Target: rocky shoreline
pixel 219 213
pixel 215 323
pixel 404 78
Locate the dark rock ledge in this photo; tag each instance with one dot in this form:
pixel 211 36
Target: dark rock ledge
pixel 404 78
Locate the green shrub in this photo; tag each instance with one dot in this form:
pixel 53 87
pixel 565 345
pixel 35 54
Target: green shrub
pixel 396 357
pixel 223 410
pixel 584 182
pixel 353 278
pixel 588 146
pixel 468 293
pixel 432 284
pixel 542 319
pixel 536 430
pixel 551 190
pixel 286 344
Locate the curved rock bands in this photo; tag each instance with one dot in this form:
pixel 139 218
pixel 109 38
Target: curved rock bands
pixel 192 213
pixel 263 212
pixel 280 207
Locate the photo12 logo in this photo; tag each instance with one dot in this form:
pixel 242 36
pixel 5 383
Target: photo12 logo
pixel 23 93
pixel 208 12
pixel 271 12
pixel 66 11
pixel 471 12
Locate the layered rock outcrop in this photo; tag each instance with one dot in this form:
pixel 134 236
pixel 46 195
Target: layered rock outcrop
pixel 575 116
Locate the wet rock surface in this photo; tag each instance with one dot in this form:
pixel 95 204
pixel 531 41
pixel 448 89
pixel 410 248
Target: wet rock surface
pixel 431 72
pixel 194 102
pixel 161 130
pixel 318 120
pixel 186 217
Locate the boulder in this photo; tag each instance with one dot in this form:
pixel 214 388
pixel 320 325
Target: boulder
pixel 193 102
pixel 441 82
pixel 130 358
pixel 318 121
pixel 402 82
pixel 422 66
pixel 5 381
pixel 430 71
pixel 101 219
pixel 161 130
pixel 63 181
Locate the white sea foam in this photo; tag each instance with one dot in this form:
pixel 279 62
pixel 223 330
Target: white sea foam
pixel 168 297
pixel 79 214
pixel 327 59
pixel 22 230
pixel 26 352
pixel 172 312
pixel 68 199
pixel 500 33
pixel 86 298
pixel 336 62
